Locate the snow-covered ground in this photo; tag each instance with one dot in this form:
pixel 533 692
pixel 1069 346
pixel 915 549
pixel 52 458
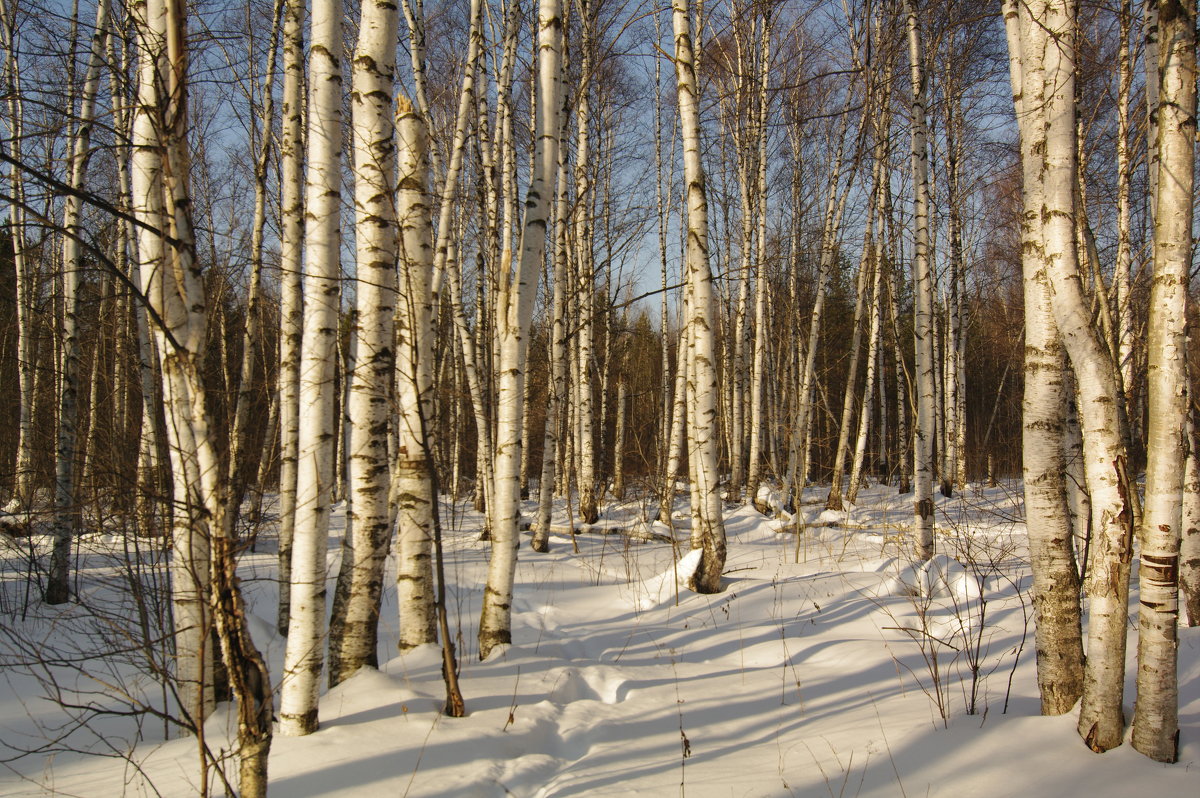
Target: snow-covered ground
pixel 819 671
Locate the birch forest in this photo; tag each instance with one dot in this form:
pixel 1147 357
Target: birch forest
pixel 332 335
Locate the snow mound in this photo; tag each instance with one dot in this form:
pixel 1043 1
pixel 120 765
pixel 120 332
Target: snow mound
pixel 938 577
pixel 644 531
pixel 831 518
pixel 768 501
pixel 659 589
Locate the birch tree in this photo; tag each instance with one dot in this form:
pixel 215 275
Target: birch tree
pixel 708 526
pixel 189 544
pixel 306 627
pixel 1057 629
pixel 23 471
pixel 1049 80
pixel 65 500
pixel 923 332
pixel 413 489
pixel 291 311
pixel 353 633
pixel 514 306
pixel 1156 713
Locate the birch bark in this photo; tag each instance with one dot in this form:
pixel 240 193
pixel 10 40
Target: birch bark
pixel 291 311
pixel 65 520
pixel 414 467
pixel 514 314
pixel 1101 721
pixel 22 495
pixel 1058 633
pixel 923 332
pixel 1156 713
pixel 762 284
pixel 558 357
pixel 189 544
pixel 708 527
pixel 353 631
pixel 314 479
pixel 1189 547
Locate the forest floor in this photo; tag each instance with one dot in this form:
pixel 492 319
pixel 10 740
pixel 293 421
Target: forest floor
pixel 828 667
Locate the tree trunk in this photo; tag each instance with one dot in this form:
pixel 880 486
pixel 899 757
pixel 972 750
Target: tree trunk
pixel 291 311
pixel 708 527
pixel 1057 629
pixel 66 521
pixel 317 442
pixel 558 357
pixel 353 627
pixel 189 545
pixel 1189 548
pixel 1156 713
pixel 514 305
pixel 1049 88
pixel 923 330
pixel 414 467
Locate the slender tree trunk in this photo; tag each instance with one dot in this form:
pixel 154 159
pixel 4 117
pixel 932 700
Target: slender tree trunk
pixel 1049 87
pixel 23 476
pixel 1057 629
pixel 618 466
pixel 861 302
pixel 514 307
pixel 585 285
pixel 1156 713
pixel 414 467
pixel 955 457
pixel 864 419
pixel 317 442
pixel 353 627
pixel 708 527
pixel 1122 269
pixel 559 358
pixel 245 442
pixel 923 331
pixel 291 310
pixel 762 283
pixel 835 205
pixel 66 522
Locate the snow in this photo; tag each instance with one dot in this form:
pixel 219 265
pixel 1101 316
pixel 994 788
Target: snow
pixel 810 675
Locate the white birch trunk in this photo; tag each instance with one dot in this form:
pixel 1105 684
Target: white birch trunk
pixel 1156 713
pixel 762 284
pixel 414 465
pixel 189 545
pixel 835 204
pixel 314 479
pixel 864 419
pixel 291 311
pixel 558 359
pixel 675 432
pixel 22 495
pixel 861 307
pixel 65 521
pixel 1189 547
pixel 923 330
pixel 1122 268
pixel 1058 633
pixel 1101 721
pixel 585 276
pixel 353 630
pixel 708 527
pixel 245 440
pixel 514 313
